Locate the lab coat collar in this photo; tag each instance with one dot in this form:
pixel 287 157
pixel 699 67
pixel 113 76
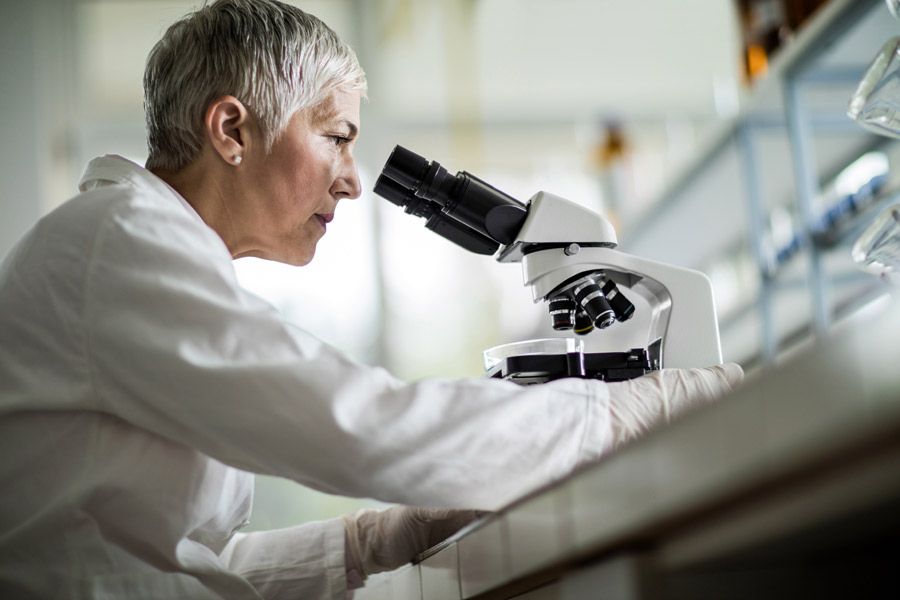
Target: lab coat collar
pixel 114 169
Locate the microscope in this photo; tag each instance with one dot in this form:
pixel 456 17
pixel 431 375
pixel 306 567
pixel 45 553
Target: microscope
pixel 569 262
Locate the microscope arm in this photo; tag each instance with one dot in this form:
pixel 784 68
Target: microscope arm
pixel 687 329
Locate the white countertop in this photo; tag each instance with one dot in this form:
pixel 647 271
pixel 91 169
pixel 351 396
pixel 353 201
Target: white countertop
pixel 796 446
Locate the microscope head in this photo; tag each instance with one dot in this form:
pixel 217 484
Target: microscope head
pixel 567 255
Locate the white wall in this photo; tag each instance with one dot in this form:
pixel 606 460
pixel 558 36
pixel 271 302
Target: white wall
pixel 37 87
pixel 23 143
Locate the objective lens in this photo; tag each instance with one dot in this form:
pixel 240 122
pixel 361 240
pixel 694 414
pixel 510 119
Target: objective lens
pixel 562 313
pixel 583 323
pixel 623 308
pixel 590 297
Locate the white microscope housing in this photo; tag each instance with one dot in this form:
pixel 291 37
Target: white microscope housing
pixel 684 329
pixel 568 259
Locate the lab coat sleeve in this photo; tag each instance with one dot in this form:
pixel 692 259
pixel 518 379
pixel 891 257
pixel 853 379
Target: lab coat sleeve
pixel 305 561
pixel 178 348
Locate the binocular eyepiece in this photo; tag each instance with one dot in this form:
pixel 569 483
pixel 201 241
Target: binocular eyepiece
pixel 587 304
pixel 461 207
pixel 480 218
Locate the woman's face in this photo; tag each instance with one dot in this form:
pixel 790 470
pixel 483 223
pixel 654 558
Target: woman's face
pixel 290 194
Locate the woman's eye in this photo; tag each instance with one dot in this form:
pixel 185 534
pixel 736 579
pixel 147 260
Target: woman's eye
pixel 340 140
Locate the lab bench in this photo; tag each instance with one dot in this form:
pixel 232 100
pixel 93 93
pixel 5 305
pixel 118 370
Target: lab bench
pixel 787 488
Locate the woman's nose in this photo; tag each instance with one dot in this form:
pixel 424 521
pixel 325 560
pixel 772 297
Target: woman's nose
pixel 347 183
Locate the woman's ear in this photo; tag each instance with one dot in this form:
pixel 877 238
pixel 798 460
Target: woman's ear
pixel 229 129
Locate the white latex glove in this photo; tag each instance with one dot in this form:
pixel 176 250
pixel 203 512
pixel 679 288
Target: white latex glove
pixel 384 540
pixel 638 405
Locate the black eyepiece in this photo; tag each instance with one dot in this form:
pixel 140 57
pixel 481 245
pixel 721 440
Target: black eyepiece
pixel 406 168
pixel 391 190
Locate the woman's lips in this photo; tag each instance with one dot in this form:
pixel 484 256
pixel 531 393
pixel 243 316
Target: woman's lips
pixel 325 219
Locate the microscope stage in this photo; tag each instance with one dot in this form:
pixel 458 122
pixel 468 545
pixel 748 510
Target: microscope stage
pixel 541 368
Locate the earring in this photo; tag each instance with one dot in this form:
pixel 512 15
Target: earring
pixel 237 159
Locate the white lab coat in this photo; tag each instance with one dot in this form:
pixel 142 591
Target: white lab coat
pixel 140 386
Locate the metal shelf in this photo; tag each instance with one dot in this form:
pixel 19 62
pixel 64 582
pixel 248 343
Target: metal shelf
pixel 790 139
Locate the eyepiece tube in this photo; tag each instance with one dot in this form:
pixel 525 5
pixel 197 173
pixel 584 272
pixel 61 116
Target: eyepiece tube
pixel 461 197
pixel 438 222
pixel 461 235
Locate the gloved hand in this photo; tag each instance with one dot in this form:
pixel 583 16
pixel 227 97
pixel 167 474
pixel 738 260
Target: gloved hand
pixel 637 405
pixel 384 540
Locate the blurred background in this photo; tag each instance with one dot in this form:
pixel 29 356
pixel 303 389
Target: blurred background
pixel 713 134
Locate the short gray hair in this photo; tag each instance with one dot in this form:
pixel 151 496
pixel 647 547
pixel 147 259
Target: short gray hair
pixel 274 58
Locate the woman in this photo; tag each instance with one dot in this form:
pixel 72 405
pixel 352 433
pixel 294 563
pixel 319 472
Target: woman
pixel 140 386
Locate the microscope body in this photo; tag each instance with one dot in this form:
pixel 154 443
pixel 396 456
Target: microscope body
pixel 569 261
pixel 684 329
